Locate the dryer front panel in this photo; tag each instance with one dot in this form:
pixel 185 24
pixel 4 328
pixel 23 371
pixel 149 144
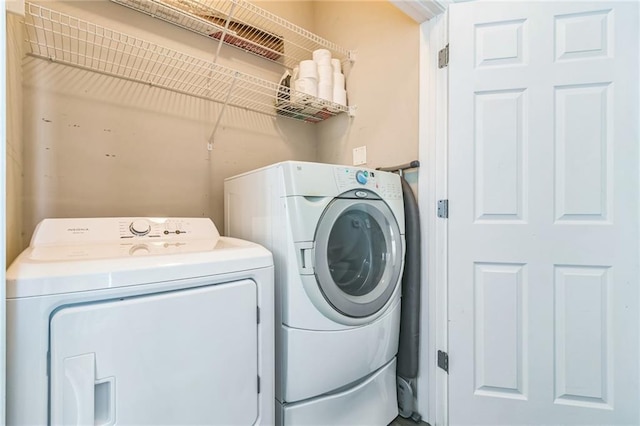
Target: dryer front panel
pixel 358 255
pixel 180 357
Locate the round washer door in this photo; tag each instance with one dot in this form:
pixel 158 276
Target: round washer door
pixel 358 255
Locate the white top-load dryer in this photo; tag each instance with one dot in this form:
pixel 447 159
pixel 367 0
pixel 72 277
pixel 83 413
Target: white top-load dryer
pixel 139 321
pixel 337 236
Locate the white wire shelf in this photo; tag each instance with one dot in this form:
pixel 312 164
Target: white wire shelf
pixel 63 38
pixel 243 25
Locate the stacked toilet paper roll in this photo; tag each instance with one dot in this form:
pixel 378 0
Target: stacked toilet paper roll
pixel 308 69
pixel 305 83
pixel 322 58
pixel 339 91
pixel 319 77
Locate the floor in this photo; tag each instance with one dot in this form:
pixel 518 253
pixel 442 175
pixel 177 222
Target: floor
pixel 400 421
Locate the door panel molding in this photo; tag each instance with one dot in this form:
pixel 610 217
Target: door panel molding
pixel 543 294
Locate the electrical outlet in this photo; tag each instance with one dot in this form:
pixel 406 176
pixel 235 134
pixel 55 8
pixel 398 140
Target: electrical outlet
pixel 359 155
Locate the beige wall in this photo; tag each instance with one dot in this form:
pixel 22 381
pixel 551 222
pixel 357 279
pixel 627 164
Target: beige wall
pixel 383 82
pixel 15 242
pixel 95 145
pixel 101 146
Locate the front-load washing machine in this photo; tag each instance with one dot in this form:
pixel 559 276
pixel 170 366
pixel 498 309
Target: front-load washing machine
pixel 139 321
pixel 337 236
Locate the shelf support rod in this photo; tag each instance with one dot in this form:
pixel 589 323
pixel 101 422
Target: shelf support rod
pixel 225 30
pixel 221 113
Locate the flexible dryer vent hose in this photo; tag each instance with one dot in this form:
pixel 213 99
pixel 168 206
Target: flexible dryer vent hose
pixel 409 345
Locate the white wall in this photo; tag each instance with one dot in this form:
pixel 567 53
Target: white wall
pixel 97 145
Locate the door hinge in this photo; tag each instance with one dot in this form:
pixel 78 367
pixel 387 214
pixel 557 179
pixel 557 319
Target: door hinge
pixel 258 314
pixel 443 57
pixel 443 361
pixel 443 208
pixel 258 384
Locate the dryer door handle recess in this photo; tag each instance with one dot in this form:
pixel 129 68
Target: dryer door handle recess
pixel 78 395
pixel 85 399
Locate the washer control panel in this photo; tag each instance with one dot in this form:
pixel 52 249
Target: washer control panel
pixel 386 185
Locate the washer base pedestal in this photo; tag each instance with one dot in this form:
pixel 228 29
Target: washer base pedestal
pixel 371 402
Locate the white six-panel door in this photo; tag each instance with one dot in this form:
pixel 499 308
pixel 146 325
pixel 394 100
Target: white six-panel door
pixel 543 226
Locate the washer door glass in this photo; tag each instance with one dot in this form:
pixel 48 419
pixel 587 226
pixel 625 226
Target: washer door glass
pixel 358 255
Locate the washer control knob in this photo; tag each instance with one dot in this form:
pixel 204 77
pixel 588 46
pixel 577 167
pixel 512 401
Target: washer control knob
pixel 361 177
pixel 140 227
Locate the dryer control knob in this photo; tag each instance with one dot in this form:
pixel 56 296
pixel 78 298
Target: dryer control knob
pixel 140 227
pixel 361 177
pixel 139 250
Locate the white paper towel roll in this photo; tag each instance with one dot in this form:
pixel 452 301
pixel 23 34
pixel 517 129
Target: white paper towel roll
pixel 337 65
pixel 308 69
pixel 338 80
pixel 325 91
pixel 322 56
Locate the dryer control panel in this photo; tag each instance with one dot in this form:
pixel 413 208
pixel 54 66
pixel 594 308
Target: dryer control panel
pixel 386 185
pixel 118 229
pixel 98 238
pixel 154 228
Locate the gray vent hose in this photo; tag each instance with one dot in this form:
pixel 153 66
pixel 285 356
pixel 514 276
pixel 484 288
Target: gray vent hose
pixel 409 344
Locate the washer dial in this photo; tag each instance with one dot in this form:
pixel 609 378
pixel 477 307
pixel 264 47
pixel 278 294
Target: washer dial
pixel 362 177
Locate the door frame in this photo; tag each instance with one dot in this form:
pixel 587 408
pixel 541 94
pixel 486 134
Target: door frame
pixel 432 382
